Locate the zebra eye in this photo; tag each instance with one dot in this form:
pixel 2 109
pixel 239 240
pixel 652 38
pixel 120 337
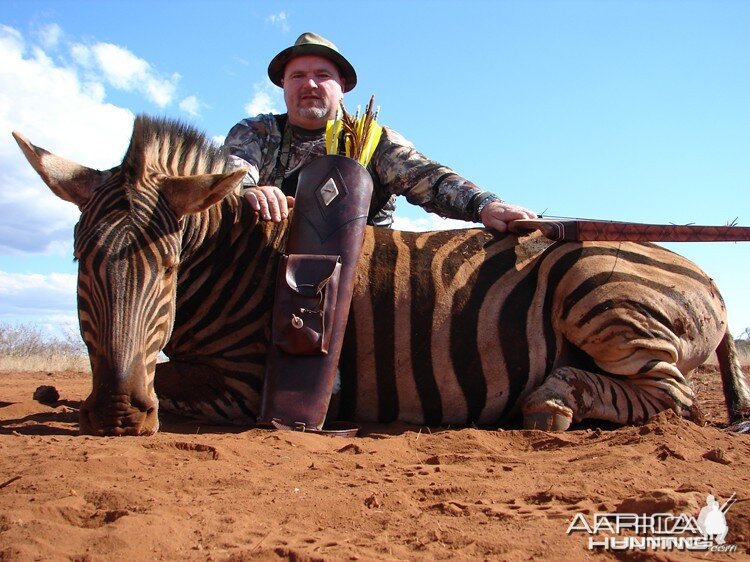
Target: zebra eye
pixel 170 262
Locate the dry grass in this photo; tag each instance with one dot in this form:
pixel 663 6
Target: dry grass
pixel 27 348
pixel 51 363
pixel 743 350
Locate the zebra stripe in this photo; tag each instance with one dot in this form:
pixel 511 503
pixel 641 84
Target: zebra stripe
pixel 451 327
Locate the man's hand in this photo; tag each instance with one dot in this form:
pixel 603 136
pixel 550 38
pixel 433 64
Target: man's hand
pixel 497 215
pixel 270 202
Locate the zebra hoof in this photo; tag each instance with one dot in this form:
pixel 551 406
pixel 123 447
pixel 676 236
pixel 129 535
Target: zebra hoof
pixel 548 416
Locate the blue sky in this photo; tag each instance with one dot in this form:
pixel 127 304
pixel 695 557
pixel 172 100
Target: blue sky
pixel 619 110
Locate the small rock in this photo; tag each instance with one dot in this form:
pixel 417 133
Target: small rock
pixel 373 502
pixel 46 394
pixel 718 455
pixel 664 452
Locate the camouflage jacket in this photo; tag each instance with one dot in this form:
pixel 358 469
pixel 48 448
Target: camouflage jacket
pixel 397 168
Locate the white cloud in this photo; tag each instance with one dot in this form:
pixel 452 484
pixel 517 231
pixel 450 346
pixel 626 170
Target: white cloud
pixel 82 54
pixel 60 106
pixel 36 295
pixel 427 222
pixel 11 37
pixel 121 67
pixel 268 98
pixel 49 35
pixel 279 20
pixel 45 226
pixel 123 70
pixel 191 105
pixel 56 110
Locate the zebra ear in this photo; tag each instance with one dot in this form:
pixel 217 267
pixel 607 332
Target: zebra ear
pixel 193 194
pixel 68 180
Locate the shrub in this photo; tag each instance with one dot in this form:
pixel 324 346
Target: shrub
pixel 28 348
pixel 743 350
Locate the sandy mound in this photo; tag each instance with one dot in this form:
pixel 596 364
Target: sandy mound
pixel 194 492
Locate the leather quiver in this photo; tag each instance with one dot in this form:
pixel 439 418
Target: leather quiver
pixel 305 303
pixel 328 221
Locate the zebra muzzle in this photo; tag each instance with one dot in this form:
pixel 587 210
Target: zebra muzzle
pixel 118 414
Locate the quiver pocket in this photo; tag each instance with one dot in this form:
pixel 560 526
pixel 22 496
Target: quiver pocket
pixel 306 292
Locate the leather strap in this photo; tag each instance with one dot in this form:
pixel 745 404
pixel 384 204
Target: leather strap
pixel 331 429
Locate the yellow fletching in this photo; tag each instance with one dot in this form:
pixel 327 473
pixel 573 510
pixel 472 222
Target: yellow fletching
pixel 371 143
pixel 360 134
pixel 330 125
pixel 333 133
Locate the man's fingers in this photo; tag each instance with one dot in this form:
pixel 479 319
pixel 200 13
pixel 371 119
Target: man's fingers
pixel 258 201
pixel 253 200
pixel 497 215
pixel 277 204
pixel 269 201
pixel 513 212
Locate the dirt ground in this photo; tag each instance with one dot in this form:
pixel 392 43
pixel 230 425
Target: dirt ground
pixel 194 492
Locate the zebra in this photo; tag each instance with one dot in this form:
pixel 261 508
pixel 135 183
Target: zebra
pixel 461 327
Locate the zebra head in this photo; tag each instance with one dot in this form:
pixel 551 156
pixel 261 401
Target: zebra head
pixel 128 243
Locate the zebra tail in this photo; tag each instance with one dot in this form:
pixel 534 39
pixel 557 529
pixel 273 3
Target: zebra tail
pixel 736 388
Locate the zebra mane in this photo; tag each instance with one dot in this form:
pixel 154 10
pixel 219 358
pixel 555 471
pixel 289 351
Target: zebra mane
pixel 171 147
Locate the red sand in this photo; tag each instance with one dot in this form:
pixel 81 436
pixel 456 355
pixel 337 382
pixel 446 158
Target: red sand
pixel 195 492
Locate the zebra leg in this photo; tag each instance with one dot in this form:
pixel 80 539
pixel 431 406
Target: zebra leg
pixel 206 393
pixel 570 395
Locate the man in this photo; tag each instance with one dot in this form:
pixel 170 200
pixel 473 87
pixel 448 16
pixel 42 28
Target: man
pixel 315 76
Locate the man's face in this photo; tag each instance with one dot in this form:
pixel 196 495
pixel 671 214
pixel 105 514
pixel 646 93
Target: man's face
pixel 313 90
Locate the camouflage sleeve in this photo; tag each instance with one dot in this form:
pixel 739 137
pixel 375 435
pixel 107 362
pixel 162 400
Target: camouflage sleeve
pixel 248 144
pixel 402 170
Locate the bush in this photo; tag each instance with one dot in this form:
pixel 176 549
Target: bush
pixel 28 348
pixel 743 348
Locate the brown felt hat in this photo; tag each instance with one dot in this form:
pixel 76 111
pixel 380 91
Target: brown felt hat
pixel 312 44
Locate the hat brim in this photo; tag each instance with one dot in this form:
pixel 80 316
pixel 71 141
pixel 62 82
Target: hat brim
pixel 278 63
